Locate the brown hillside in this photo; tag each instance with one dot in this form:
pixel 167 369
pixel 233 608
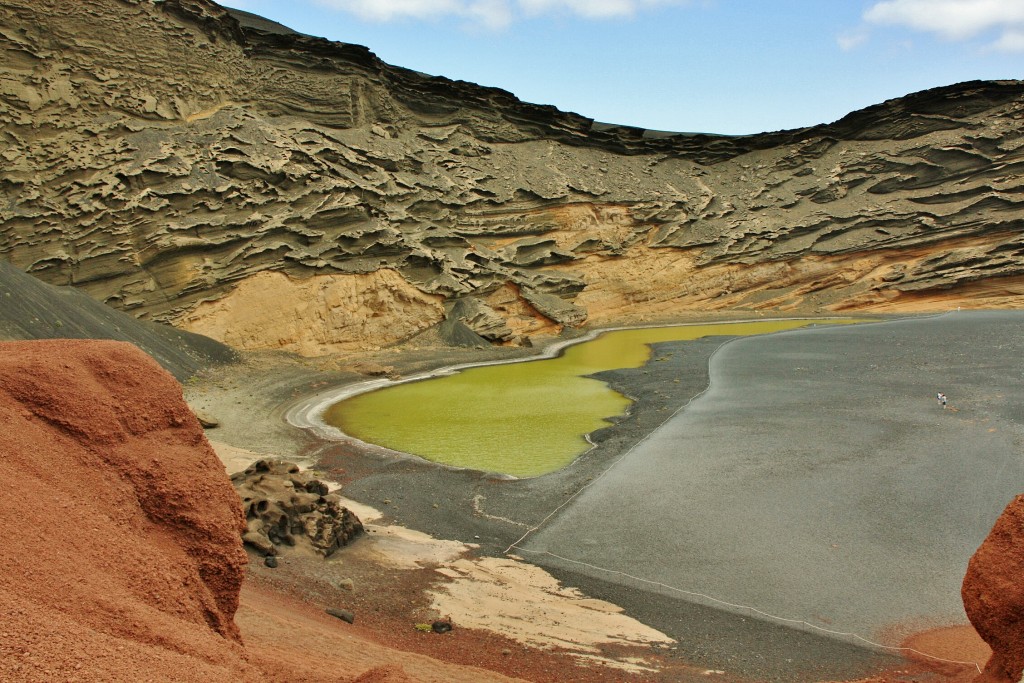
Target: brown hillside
pixel 274 190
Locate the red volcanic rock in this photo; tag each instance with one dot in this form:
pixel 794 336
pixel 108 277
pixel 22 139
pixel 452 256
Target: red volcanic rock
pixel 122 558
pixel 993 594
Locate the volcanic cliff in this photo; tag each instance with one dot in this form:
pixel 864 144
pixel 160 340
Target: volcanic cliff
pixel 275 190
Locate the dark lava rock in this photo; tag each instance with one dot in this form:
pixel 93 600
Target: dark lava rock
pixel 342 614
pixel 441 626
pixel 286 507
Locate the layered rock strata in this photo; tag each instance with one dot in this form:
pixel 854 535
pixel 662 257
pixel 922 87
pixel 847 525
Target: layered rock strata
pixel 276 190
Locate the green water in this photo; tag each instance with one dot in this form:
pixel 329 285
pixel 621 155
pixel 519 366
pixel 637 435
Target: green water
pixel 523 419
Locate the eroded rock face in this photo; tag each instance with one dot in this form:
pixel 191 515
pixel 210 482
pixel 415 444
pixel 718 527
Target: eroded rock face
pixel 120 527
pixel 172 166
pixel 993 594
pixel 284 507
pixel 321 314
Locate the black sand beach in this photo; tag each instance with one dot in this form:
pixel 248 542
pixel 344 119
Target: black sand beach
pixel 818 480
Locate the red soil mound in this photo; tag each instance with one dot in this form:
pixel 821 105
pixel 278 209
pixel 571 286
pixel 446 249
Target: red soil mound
pixel 121 542
pixel 120 529
pixel 993 594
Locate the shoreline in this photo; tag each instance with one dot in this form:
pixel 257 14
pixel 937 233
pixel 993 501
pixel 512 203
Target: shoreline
pixel 742 487
pixel 488 510
pixel 307 412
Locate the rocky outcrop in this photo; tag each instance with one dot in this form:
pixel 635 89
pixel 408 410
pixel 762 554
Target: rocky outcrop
pixel 190 166
pixel 317 315
pixel 121 530
pixel 285 508
pixel 993 595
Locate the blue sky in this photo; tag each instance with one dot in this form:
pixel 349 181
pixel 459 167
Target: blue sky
pixel 715 66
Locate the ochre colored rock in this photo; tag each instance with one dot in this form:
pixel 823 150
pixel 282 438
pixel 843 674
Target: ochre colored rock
pixel 993 594
pixel 330 313
pixel 120 528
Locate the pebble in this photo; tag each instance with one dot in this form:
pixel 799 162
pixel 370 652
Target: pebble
pixel 342 614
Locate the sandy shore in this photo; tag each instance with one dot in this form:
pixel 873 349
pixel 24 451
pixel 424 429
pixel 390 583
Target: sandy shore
pixel 511 616
pixel 490 513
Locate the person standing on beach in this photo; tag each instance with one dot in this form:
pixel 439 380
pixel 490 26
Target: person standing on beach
pixel 941 398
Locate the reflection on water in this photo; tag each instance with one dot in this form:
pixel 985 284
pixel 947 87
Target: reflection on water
pixel 523 419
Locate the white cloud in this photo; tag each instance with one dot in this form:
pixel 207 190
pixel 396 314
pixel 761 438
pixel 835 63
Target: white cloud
pixel 851 39
pixel 387 10
pixel 954 19
pixel 592 9
pixel 491 13
pixel 1012 40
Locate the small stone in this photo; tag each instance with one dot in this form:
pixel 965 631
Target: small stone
pixel 260 542
pixel 342 614
pixel 206 421
pixel 270 561
pixel 441 626
pixel 347 584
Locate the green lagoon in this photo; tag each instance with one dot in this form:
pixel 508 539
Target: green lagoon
pixel 524 419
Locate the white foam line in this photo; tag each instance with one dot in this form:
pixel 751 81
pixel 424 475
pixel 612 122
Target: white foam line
pixel 307 413
pixel 754 610
pixel 477 509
